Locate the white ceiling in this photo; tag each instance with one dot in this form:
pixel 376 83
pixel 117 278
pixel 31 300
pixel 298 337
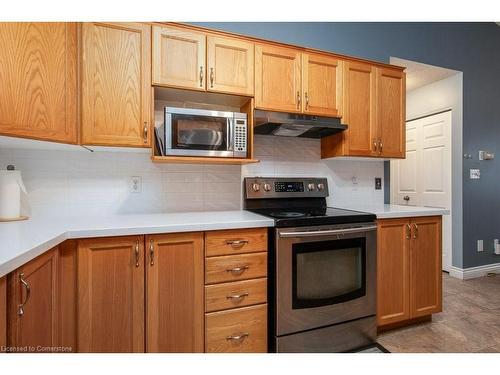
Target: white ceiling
pixel 418 74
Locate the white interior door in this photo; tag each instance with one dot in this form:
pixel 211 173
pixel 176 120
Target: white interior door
pixel 424 177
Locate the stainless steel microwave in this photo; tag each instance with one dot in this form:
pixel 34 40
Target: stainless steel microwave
pixel 199 132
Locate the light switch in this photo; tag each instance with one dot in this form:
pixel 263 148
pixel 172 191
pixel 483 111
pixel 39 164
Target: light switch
pixel 475 174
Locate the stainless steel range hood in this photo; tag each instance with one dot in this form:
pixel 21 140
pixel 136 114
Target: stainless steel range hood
pixel 295 125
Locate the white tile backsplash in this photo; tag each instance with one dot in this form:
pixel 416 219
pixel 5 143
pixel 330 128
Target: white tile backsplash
pixel 98 183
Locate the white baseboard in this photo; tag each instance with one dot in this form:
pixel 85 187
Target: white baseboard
pixel 473 272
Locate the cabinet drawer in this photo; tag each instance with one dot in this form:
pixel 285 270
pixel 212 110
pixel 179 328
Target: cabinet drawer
pixel 236 294
pixel 235 267
pixel 227 242
pixel 242 330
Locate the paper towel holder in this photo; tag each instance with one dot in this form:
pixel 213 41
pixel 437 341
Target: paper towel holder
pixel 11 167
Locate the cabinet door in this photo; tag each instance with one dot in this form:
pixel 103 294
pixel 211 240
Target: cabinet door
pixel 393 256
pixel 278 84
pixel 3 312
pixel 425 267
pixel 230 66
pixel 360 109
pixel 179 58
pixel 116 84
pixel 175 304
pixel 111 294
pixel 38 80
pixel 34 304
pixel 391 102
pixel 322 84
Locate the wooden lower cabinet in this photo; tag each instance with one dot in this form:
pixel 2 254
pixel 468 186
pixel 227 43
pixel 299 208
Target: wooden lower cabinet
pixel 33 305
pixel 3 313
pixel 174 297
pixel 236 291
pixel 409 279
pixel 240 330
pixel 111 294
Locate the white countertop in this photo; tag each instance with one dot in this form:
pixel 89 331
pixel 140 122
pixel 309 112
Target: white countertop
pixel 23 241
pixel 390 211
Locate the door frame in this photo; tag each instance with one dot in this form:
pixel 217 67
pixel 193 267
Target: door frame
pixel 447 235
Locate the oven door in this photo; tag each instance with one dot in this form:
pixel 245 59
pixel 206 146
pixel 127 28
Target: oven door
pixel 324 275
pixel 197 132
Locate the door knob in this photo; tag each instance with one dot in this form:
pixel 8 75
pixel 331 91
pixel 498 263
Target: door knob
pixel 406 198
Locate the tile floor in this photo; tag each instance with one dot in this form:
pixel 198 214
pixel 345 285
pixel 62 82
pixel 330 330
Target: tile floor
pixel 470 321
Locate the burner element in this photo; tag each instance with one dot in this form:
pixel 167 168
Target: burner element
pixel 287 214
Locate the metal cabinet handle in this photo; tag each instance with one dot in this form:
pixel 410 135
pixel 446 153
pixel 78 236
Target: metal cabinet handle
pixel 237 270
pixel 151 253
pixel 145 132
pixel 211 77
pixel 307 100
pixel 408 231
pixel 381 145
pixel 375 145
pixel 415 234
pixel 137 253
pixel 20 308
pixel 236 244
pixel 238 337
pixel 237 296
pixel 201 76
pixel 298 99
pixel 406 198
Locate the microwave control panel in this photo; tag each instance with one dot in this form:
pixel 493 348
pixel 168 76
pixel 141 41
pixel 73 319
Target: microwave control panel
pixel 240 137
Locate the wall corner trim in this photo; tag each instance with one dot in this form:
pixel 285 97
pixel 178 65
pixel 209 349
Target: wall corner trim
pixel 473 272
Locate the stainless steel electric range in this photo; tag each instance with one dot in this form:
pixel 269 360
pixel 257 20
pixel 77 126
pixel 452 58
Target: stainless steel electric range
pixel 322 267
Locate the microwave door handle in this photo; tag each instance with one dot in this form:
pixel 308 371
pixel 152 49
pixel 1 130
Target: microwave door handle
pixel 327 232
pixel 229 132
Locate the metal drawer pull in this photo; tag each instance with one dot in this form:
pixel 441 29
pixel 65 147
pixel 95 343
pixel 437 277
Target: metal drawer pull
pixel 314 233
pixel 20 308
pixel 201 76
pixel 298 99
pixel 408 231
pixel 211 77
pixel 375 145
pixel 236 244
pixel 307 101
pixel 415 234
pixel 137 254
pixel 237 296
pixel 238 337
pixel 145 132
pixel 381 147
pixel 237 270
pixel 151 253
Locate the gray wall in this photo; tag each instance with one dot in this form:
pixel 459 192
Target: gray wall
pixel 472 48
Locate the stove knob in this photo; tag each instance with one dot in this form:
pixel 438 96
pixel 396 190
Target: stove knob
pixel 267 187
pixel 255 187
pixel 311 187
pixel 321 187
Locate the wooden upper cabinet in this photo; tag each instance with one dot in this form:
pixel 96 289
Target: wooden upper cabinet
pixel 34 303
pixel 179 58
pixel 116 84
pixel 393 267
pixel 175 285
pixel 111 294
pixel 278 83
pixel 38 80
pixel 321 85
pixel 230 66
pixel 425 266
pixel 391 86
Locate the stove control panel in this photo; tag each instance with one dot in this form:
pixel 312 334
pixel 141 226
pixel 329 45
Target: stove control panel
pixel 284 187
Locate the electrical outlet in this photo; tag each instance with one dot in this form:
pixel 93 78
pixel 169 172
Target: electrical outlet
pixel 475 174
pixel 135 184
pixel 378 183
pixel 354 180
pixel 480 246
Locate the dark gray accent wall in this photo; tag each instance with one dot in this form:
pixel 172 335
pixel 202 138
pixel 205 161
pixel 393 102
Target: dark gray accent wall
pixel 473 48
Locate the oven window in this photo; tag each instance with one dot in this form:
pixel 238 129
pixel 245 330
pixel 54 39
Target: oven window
pixel 328 272
pixel 190 132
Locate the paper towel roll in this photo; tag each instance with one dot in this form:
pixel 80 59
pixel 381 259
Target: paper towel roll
pixel 11 185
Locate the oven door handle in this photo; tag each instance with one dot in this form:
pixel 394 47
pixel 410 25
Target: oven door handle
pixel 317 233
